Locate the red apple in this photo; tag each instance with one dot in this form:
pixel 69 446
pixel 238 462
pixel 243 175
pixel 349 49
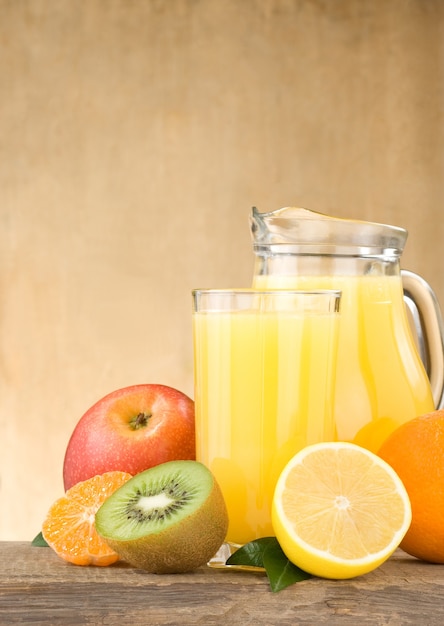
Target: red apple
pixel 131 429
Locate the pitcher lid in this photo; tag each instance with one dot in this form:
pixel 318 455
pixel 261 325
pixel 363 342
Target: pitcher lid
pixel 299 230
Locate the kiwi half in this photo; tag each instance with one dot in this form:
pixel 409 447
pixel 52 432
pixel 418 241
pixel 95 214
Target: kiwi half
pixel 168 519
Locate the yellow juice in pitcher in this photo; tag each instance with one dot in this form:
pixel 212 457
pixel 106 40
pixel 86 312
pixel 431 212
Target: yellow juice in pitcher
pixel 263 384
pixel 380 379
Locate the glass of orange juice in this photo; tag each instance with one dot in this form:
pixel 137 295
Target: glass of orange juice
pixel 264 368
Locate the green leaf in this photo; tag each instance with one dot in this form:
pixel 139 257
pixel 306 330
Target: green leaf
pixel 251 554
pixel 39 542
pixel 280 571
pixel 267 553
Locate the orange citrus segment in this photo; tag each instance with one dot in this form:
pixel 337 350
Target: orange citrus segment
pixel 69 525
pixel 339 510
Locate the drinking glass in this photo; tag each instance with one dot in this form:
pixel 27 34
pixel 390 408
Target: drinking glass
pixel 264 370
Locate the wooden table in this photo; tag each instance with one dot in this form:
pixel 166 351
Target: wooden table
pixel 36 587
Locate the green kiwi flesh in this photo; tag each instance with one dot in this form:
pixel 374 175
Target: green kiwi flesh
pixel 171 518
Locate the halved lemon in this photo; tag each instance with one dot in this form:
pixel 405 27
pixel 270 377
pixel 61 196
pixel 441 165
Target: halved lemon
pixel 339 510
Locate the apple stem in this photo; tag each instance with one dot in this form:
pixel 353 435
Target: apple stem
pixel 140 421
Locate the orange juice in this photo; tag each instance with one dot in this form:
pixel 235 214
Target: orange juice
pixel 380 379
pixel 263 384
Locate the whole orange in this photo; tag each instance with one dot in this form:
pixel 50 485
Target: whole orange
pixel 415 450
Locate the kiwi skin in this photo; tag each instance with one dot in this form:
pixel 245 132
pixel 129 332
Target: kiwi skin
pixel 182 547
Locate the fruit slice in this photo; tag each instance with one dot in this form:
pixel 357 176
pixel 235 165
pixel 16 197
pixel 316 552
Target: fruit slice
pixel 168 519
pixel 69 525
pixel 339 510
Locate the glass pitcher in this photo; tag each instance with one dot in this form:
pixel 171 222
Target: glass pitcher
pixel 386 374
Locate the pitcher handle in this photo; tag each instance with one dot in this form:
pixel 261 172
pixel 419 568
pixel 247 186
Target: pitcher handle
pixel 426 318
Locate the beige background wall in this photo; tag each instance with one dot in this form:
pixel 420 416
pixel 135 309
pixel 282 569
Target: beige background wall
pixel 135 135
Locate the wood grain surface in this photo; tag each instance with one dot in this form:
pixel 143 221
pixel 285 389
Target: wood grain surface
pixel 36 587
